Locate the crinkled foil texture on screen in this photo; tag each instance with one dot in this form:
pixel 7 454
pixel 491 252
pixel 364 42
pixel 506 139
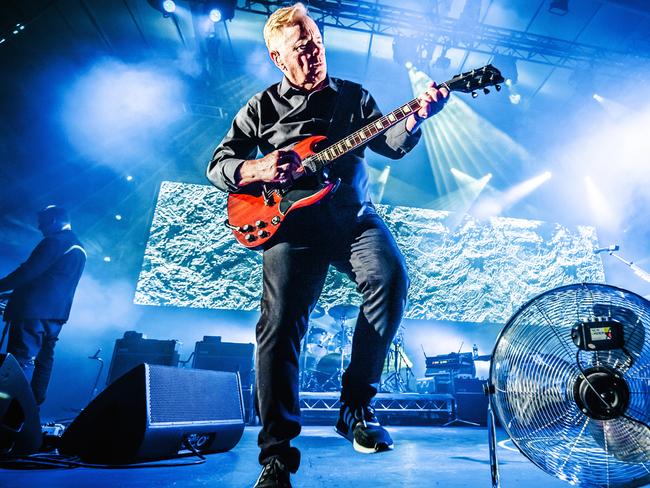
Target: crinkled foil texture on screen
pixel 461 269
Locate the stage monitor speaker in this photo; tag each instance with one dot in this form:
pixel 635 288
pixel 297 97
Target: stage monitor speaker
pixel 20 425
pixel 211 353
pixel 152 411
pixel 134 349
pixel 472 407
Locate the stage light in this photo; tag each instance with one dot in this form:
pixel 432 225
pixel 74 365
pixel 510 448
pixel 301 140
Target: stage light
pixel 615 109
pixel 559 7
pixel 2 40
pixel 493 206
pixel 107 259
pixel 129 178
pixel 407 65
pixel 118 217
pixel 215 15
pixel 514 98
pixel 601 209
pixel 220 10
pixel 525 188
pixel 165 7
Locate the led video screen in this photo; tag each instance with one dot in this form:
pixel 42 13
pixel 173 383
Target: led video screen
pixel 461 269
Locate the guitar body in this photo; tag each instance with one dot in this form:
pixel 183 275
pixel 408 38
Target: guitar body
pixel 256 212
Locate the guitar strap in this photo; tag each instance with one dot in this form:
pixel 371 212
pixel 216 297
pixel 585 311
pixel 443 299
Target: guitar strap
pixel 349 95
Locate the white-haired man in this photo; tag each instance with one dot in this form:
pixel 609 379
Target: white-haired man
pixel 343 231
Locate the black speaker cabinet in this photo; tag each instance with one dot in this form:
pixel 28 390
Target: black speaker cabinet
pixel 151 411
pixel 133 349
pixel 20 425
pixel 211 353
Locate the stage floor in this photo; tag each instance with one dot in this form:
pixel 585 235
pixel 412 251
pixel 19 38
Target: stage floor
pixel 446 457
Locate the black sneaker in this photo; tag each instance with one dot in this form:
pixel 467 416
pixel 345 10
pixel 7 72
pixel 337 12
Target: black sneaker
pixel 361 427
pixel 274 475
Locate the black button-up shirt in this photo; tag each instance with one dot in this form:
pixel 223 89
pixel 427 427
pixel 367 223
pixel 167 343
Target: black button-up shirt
pixel 282 115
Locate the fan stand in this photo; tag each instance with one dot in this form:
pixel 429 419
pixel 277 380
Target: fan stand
pixel 492 438
pixel 456 420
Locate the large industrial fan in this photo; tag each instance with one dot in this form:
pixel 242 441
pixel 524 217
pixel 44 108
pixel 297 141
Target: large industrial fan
pixel 570 384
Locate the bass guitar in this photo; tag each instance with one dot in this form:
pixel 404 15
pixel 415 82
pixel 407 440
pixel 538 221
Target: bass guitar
pixel 256 211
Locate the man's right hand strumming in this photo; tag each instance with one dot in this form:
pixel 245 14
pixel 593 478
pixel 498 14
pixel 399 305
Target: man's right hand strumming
pixel 276 167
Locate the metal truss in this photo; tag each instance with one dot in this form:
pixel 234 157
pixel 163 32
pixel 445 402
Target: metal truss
pixel 387 403
pixel 427 26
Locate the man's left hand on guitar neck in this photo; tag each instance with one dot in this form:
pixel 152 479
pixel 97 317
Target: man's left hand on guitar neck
pixel 432 101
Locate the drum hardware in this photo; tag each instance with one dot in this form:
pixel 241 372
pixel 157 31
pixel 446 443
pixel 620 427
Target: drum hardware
pixel 326 349
pixel 342 313
pixel 398 368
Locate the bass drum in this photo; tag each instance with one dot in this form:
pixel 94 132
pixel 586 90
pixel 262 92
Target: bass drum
pixel 331 363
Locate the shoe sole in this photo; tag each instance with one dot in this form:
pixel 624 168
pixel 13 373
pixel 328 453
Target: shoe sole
pixel 381 447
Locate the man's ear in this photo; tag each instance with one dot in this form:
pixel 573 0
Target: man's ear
pixel 275 57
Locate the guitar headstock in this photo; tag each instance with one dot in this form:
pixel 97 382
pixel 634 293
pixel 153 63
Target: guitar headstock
pixel 476 79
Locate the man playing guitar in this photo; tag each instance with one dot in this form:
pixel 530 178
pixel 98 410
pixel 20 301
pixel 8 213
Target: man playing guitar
pixel 342 230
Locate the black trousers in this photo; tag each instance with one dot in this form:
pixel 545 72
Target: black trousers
pixel 32 343
pixel 357 242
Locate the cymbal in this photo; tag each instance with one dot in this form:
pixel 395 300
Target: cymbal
pixel 317 312
pixel 326 326
pixel 484 357
pixel 343 312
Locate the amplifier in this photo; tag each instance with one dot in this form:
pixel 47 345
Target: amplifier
pixel 212 353
pixel 134 349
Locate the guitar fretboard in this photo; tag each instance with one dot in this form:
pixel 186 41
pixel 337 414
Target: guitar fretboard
pixel 361 136
pixel 466 82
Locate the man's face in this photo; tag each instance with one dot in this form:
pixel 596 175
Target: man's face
pixel 46 225
pixel 299 52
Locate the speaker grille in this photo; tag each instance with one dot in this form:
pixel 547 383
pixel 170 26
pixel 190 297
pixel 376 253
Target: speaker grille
pixel 169 391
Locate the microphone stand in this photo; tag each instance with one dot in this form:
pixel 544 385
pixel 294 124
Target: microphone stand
pixel 641 273
pixel 99 373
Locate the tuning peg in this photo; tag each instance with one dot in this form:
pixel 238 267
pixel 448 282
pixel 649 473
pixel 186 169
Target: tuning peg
pixel 486 90
pixel 474 94
pixel 497 88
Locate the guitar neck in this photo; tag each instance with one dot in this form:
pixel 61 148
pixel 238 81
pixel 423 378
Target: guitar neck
pixel 362 136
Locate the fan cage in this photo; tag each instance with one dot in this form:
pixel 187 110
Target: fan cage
pixel 535 366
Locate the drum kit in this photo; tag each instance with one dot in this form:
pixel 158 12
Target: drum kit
pixel 327 350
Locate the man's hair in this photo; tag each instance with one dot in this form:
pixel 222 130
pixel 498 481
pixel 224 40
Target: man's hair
pixel 281 18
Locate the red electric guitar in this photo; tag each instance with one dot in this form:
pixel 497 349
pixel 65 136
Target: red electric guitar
pixel 256 211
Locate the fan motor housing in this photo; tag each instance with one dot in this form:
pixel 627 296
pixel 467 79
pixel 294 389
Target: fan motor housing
pixel 601 393
pixel 598 335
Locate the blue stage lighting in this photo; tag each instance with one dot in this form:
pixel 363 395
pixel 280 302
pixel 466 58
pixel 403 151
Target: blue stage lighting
pixel 107 259
pixel 215 15
pixel 169 6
